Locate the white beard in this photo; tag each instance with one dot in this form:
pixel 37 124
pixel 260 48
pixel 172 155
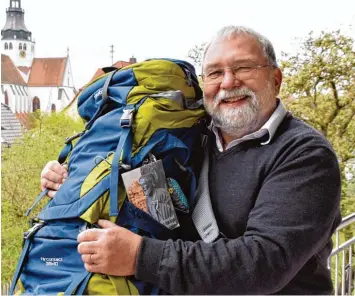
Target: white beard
pixel 236 121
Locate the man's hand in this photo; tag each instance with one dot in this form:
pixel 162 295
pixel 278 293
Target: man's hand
pixel 111 250
pixel 53 176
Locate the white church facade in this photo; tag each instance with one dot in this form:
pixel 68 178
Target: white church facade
pixel 30 83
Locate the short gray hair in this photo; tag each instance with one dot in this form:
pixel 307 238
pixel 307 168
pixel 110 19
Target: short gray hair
pixel 231 31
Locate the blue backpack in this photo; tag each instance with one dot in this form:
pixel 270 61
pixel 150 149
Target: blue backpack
pixel 153 108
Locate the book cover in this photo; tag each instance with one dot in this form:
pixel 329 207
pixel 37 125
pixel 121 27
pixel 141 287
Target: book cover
pixel 147 189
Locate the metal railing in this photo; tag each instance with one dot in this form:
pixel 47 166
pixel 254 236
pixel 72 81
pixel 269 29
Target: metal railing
pixel 342 260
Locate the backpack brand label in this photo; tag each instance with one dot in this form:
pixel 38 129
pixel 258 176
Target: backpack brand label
pixel 98 93
pixel 51 261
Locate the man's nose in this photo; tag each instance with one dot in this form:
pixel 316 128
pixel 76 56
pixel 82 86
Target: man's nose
pixel 229 81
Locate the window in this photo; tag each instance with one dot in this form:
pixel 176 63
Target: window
pixel 32 48
pixel 6 46
pixel 20 89
pixel 60 93
pixel 20 46
pixel 24 46
pixel 10 45
pixel 36 104
pixel 15 3
pixel 17 90
pixel 53 108
pixel 6 98
pixel 12 89
pixel 2 88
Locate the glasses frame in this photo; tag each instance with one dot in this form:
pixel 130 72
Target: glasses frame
pixel 234 71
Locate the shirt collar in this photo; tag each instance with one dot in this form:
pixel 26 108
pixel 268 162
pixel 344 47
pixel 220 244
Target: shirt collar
pixel 269 128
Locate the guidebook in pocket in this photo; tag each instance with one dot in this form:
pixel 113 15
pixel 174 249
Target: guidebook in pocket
pixel 147 189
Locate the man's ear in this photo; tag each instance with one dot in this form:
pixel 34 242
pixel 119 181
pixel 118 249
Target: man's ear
pixel 278 80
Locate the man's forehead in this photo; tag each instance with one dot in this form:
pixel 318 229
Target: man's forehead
pixel 235 62
pixel 239 47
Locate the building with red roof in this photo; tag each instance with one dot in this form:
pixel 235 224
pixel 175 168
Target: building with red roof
pixel 30 83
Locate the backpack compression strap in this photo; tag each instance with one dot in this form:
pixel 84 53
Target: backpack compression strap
pixel 28 240
pixel 79 283
pixel 61 159
pixel 125 145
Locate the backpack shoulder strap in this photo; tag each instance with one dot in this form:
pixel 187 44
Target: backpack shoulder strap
pixel 203 216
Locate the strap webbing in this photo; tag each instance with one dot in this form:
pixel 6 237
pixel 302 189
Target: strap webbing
pixel 38 199
pixel 104 99
pixel 203 216
pixel 19 267
pixel 115 173
pixel 109 77
pixel 125 145
pixel 77 282
pixel 83 285
pixel 28 236
pixel 65 152
pixel 61 159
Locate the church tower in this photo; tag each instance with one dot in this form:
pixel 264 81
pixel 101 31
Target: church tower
pixel 16 39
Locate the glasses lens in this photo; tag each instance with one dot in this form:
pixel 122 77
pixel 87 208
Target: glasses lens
pixel 245 73
pixel 240 73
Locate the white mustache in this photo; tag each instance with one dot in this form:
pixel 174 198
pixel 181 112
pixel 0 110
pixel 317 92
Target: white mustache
pixel 226 94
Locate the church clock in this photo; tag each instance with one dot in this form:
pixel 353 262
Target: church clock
pixel 22 54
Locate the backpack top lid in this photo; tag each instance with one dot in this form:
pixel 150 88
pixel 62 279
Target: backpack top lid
pixel 130 84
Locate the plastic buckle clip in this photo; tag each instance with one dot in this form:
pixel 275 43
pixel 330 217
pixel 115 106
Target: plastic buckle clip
pixel 33 230
pixel 88 225
pixel 127 117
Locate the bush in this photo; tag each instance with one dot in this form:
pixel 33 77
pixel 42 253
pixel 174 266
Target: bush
pixel 21 167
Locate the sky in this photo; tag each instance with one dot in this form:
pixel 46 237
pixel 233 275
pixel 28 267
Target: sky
pixel 162 28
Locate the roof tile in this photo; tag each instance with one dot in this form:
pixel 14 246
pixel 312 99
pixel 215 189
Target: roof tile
pixel 24 69
pixel 118 64
pixel 47 72
pixel 9 73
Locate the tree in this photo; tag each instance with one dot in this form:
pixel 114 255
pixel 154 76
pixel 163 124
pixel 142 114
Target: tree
pixel 319 87
pixel 21 167
pixel 196 54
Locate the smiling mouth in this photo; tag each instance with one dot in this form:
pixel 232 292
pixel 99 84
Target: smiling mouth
pixel 234 99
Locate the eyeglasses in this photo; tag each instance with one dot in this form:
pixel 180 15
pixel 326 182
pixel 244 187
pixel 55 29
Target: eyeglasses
pixel 216 76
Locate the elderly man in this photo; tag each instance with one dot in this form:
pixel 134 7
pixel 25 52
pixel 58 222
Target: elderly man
pixel 275 190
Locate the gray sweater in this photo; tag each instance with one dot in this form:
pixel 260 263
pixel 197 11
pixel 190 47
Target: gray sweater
pixel 276 206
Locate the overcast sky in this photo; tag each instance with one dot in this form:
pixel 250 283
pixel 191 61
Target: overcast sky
pixel 164 28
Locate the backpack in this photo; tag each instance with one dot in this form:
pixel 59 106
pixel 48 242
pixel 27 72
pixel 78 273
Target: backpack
pixel 152 108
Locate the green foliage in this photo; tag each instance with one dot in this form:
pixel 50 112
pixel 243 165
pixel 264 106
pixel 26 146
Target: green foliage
pixel 196 54
pixel 319 87
pixel 21 168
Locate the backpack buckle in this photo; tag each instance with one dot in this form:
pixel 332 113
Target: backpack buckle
pixel 33 230
pixel 127 117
